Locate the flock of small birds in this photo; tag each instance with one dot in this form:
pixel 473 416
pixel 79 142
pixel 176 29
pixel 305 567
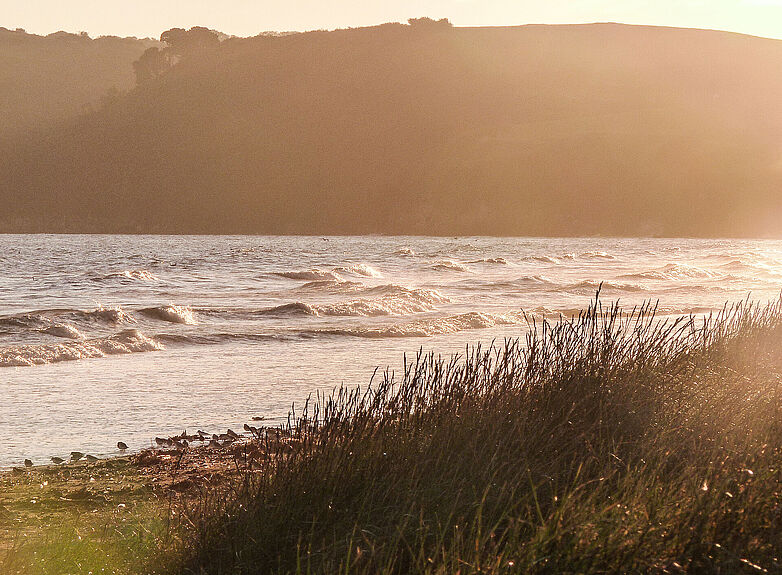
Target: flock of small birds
pixel 181 441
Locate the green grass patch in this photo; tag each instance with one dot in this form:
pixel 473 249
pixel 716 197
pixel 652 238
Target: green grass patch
pixel 101 518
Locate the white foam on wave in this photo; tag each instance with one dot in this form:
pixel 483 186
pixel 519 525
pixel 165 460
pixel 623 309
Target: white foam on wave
pixel 24 320
pixel 596 255
pixel 449 266
pixel 288 309
pixel 56 321
pixel 404 252
pixel 129 341
pixel 402 301
pixel 672 271
pixel 535 281
pixel 745 267
pixel 104 314
pixel 62 330
pixel 311 275
pixel 391 300
pixel 362 270
pixel 498 261
pixel 541 259
pixel 171 313
pixel 430 327
pixel 592 286
pixel 396 289
pixel 331 286
pixel 135 275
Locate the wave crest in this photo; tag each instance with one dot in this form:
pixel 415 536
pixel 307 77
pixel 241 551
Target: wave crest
pixel 62 330
pixel 362 270
pixel 128 341
pixel 449 266
pixel 431 327
pixel 591 286
pixel 311 275
pixel 498 261
pixel 171 314
pixel 135 275
pixel 674 272
pixel 402 301
pixel 288 309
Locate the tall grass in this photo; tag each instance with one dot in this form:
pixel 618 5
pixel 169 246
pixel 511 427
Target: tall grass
pixel 610 442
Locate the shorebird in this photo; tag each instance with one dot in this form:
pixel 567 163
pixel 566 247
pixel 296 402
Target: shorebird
pixel 91 458
pixel 163 442
pixel 214 443
pixel 57 460
pixel 76 455
pixel 122 446
pixel 28 463
pixel 256 432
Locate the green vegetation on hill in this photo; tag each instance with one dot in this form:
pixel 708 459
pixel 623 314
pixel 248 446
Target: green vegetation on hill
pixel 425 129
pixel 46 80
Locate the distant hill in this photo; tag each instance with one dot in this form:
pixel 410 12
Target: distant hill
pixel 45 79
pixel 598 129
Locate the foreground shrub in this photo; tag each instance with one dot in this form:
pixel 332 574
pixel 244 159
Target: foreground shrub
pixel 610 442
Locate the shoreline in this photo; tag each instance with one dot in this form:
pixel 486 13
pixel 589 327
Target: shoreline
pixel 34 500
pixel 606 443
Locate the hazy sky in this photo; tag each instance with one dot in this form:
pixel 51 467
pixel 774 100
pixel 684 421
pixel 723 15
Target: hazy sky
pixel 249 17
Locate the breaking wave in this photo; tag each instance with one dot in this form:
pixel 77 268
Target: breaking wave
pixel 591 287
pixel 129 341
pixel 449 266
pixel 135 275
pixel 62 330
pixel 499 261
pixel 535 281
pixel 362 270
pixel 171 313
pixel 596 256
pixel 24 320
pixel 311 275
pixel 289 309
pixel 541 259
pixel 112 315
pixel 671 272
pixel 331 286
pixel 43 320
pixel 429 327
pixel 403 301
pixel 391 300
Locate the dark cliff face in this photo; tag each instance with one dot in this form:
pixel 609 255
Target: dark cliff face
pixel 536 130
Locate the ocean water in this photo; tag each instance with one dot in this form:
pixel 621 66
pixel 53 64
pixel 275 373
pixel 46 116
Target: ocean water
pixel 109 338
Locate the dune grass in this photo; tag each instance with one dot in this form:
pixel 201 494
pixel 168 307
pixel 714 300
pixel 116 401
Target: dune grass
pixel 610 442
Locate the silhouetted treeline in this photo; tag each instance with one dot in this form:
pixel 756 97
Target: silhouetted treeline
pixel 45 79
pixel 425 128
pixel 178 43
